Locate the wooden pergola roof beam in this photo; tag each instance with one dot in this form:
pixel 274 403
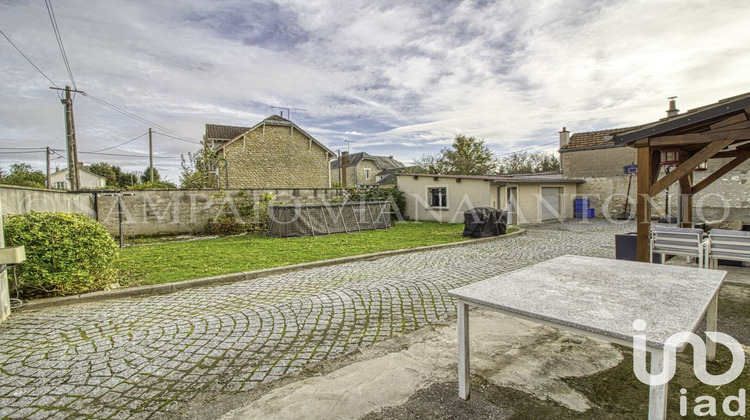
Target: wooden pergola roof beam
pixel 719 173
pixel 689 165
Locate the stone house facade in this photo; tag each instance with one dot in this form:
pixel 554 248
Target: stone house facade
pixel 593 157
pixel 274 153
pixel 363 169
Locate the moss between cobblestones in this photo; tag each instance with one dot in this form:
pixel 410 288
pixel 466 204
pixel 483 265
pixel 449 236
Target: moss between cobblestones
pixel 177 261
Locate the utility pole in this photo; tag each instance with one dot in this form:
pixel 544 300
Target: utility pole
pixel 49 180
pixel 150 157
pixel 70 131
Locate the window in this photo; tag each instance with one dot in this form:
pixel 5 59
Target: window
pixel 437 197
pixel 60 185
pixel 367 174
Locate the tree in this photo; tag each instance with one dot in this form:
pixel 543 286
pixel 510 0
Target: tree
pixel 22 175
pixel 467 156
pixel 198 170
pixel 146 176
pixel 128 179
pixel 544 162
pixel 426 164
pixel 109 172
pixel 526 163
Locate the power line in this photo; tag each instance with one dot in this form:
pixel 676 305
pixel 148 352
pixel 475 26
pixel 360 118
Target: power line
pixel 114 147
pixel 177 138
pixel 22 148
pixel 28 59
pixel 59 156
pixel 133 116
pixel 56 29
pixel 528 148
pixel 20 153
pixel 128 155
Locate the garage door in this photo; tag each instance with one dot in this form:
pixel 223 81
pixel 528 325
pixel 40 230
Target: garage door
pixel 550 203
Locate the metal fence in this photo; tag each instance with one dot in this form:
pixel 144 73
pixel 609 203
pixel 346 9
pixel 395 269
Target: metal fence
pixel 324 219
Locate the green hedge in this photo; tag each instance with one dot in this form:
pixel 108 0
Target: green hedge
pixel 66 253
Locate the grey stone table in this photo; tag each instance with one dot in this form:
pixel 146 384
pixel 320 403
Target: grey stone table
pixel 602 298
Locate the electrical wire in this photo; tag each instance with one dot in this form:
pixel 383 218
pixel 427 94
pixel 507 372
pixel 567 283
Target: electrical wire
pixel 29 60
pixel 21 153
pixel 114 147
pixel 528 148
pixel 129 155
pixel 56 29
pixel 136 117
pixel 177 138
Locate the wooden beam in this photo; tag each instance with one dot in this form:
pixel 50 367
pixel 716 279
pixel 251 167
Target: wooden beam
pixel 643 204
pixel 740 133
pixel 641 143
pixel 729 121
pixel 731 154
pixel 686 200
pixel 687 166
pixel 737 126
pixel 719 173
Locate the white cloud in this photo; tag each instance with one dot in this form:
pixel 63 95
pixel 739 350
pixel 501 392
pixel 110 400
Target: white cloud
pixel 402 79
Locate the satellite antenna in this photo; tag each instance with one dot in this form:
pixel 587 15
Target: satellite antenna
pixel 288 111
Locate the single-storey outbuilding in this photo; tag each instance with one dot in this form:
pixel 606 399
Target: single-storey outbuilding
pixel 527 198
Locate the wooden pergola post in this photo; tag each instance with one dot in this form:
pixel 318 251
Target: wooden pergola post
pixel 648 165
pixel 686 201
pixel 717 131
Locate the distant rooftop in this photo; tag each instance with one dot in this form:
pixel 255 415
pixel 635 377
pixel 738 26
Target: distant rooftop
pixel 382 162
pixel 595 139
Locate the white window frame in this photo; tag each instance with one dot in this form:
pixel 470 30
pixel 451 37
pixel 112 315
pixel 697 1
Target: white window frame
pixel 445 196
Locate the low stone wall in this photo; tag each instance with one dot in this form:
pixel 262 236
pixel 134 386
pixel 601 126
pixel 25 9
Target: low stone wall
pixel 166 212
pixel 155 212
pixel 728 198
pixel 17 200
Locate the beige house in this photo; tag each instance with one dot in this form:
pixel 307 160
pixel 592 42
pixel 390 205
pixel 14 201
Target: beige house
pixel 593 154
pixel 275 153
pixel 362 169
pixel 527 198
pixel 61 180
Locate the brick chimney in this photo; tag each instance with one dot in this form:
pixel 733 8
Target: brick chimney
pixel 564 137
pixel 344 164
pixel 672 111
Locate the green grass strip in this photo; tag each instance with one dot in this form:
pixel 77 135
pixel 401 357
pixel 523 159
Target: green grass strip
pixel 177 261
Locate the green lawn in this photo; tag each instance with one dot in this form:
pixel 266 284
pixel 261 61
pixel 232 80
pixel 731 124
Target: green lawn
pixel 176 261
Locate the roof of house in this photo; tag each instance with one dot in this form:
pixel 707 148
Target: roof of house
pixel 388 176
pixel 540 178
pixel 594 139
pixel 381 162
pixel 226 134
pixel 697 119
pixel 80 169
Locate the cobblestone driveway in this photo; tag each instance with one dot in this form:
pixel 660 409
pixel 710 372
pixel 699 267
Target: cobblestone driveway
pixel 142 357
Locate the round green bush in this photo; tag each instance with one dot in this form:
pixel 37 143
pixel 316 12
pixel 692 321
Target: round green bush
pixel 66 253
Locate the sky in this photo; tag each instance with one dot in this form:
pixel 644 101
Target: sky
pixel 384 77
